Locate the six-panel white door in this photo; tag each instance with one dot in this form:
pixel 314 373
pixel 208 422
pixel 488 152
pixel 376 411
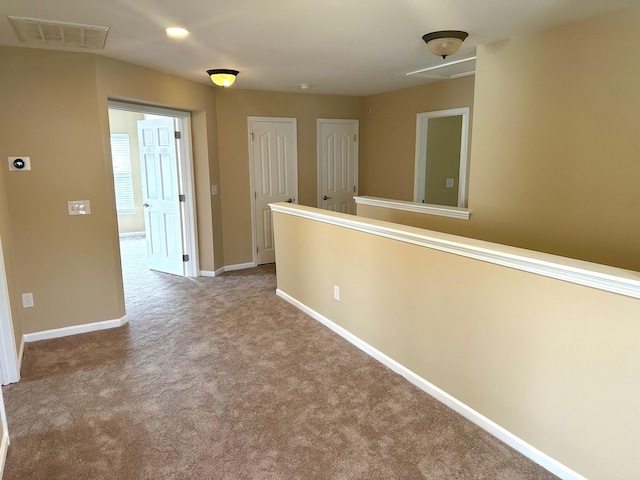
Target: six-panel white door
pixel 274 173
pixel 161 195
pixel 337 165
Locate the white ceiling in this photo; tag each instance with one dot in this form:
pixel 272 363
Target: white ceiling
pixel 350 47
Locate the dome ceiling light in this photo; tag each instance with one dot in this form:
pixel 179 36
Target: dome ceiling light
pixel 223 77
pixel 444 42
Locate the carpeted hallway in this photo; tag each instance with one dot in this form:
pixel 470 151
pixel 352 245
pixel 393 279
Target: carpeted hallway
pixel 217 378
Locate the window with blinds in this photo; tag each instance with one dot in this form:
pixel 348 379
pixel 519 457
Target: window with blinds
pixel 122 178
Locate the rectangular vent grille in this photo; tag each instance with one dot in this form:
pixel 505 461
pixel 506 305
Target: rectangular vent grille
pixel 60 34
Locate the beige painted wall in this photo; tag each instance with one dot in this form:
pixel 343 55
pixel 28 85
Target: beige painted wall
pixel 553 362
pixel 121 121
pixel 444 136
pixel 71 264
pixel 124 81
pixel 234 106
pixel 388 134
pixel 68 262
pixel 554 155
pixel 555 150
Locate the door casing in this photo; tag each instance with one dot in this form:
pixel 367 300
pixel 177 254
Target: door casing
pixel 185 172
pixel 9 362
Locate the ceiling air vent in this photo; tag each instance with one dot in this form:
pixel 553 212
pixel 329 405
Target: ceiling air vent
pixel 60 34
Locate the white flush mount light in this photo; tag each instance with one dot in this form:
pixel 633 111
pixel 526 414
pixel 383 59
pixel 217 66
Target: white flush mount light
pixel 445 42
pixel 177 32
pixel 305 86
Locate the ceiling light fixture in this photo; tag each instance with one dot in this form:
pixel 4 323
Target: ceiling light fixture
pixel 444 42
pixel 223 77
pixel 177 32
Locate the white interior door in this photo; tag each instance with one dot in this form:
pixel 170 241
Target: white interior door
pixel 273 148
pixel 161 195
pixel 337 165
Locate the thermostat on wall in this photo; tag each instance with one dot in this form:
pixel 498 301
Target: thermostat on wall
pixel 18 164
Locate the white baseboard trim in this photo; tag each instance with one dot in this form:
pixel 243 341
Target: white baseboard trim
pixel 74 330
pixel 221 270
pixel 4 449
pixel 133 234
pixel 469 413
pixel 20 355
pixel 239 266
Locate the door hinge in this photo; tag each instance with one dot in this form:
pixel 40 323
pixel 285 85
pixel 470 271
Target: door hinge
pixel 255 195
pixel 256 249
pixel 185 258
pixel 182 197
pixel 177 135
pixel 355 137
pixel 251 136
pixel 354 189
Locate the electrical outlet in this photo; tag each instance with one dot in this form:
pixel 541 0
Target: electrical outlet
pixel 449 183
pixel 336 292
pixel 79 207
pixel 27 300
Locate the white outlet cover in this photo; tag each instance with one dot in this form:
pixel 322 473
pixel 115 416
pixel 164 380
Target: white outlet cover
pixel 449 183
pixel 26 161
pixel 27 300
pixel 79 207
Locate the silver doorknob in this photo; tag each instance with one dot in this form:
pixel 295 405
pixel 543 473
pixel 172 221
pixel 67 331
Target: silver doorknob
pixel 326 198
pixel 146 205
pixel 289 201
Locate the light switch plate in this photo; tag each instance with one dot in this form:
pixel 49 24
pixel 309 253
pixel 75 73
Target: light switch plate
pixel 450 183
pixel 26 162
pixel 79 207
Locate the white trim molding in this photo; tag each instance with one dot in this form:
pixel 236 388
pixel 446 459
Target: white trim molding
pixel 426 208
pixel 239 266
pixel 602 277
pixel 20 356
pixel 228 268
pixel 74 330
pixel 132 234
pixel 4 449
pixel 9 368
pixel 469 413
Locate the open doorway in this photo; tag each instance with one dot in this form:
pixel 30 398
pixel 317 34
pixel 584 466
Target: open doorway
pixel 153 181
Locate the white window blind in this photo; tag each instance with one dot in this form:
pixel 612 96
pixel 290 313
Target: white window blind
pixel 121 157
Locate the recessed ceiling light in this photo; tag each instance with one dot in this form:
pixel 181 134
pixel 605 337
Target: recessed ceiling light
pixel 177 32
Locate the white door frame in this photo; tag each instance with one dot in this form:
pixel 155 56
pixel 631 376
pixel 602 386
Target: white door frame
pixel 185 163
pixel 9 363
pixel 250 120
pixel 321 121
pixel 420 169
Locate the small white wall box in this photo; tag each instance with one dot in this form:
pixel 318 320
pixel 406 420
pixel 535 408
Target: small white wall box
pixel 79 207
pixel 19 164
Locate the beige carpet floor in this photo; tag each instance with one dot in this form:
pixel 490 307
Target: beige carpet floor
pixel 218 378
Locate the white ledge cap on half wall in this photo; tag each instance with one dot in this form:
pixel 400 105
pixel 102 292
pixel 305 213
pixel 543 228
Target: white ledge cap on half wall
pixel 426 208
pixel 602 277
